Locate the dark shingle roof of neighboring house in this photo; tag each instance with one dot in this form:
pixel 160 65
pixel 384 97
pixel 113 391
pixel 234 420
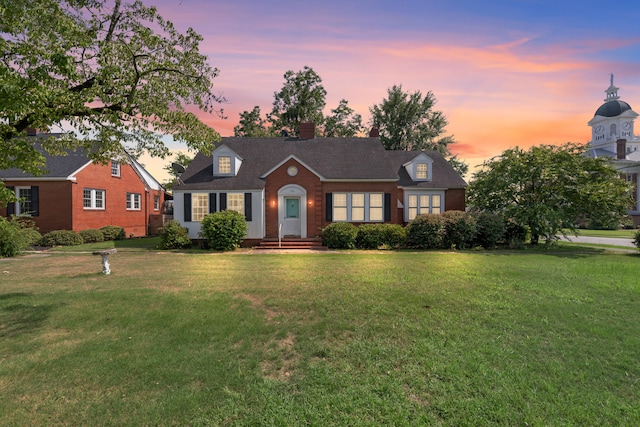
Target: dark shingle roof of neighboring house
pixel 56 166
pixel 348 159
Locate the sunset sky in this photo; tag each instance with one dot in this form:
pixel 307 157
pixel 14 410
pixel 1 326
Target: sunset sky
pixel 505 72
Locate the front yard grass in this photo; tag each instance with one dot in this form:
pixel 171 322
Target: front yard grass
pixel 367 338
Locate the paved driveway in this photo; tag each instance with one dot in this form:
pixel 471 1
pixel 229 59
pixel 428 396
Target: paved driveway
pixel 601 240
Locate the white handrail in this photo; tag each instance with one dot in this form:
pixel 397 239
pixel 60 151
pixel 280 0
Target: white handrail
pixel 280 235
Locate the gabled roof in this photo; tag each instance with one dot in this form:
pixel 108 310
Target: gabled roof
pixel 56 167
pixel 332 159
pixel 443 175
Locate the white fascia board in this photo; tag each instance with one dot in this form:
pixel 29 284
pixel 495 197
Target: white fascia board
pixel 42 179
pixel 418 189
pixel 74 173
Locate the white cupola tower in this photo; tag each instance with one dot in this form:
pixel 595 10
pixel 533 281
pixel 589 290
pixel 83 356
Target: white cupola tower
pixel 613 120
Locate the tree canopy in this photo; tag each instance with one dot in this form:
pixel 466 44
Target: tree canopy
pixel 114 72
pixel 548 188
pixel 408 121
pixel 302 98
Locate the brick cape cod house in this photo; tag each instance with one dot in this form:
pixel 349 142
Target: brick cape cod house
pixel 78 194
pixel 297 186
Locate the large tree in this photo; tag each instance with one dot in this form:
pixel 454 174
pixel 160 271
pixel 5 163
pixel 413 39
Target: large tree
pixel 343 122
pixel 114 72
pixel 408 121
pixel 252 124
pixel 548 188
pixel 301 99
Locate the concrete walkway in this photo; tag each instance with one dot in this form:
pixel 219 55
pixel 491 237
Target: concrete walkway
pixel 600 240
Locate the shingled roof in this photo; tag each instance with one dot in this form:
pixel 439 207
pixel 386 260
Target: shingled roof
pixel 55 167
pixel 340 159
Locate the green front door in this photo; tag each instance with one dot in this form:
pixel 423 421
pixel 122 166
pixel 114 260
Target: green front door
pixel 292 216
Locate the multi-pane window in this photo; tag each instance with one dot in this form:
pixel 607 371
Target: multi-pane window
pixel 376 204
pixel 115 168
pixel 24 205
pixel 133 201
pixel 224 164
pixel 339 206
pixel 93 199
pixel 423 204
pixel 358 207
pixel 422 171
pixel 156 203
pixel 235 202
pixel 199 206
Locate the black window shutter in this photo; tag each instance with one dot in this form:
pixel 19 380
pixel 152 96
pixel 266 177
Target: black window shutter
pixel 187 207
pixel 387 206
pixel 247 206
pixel 223 201
pixel 35 201
pixel 11 207
pixel 329 206
pixel 212 202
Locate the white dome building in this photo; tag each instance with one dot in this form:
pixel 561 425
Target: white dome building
pixel 612 135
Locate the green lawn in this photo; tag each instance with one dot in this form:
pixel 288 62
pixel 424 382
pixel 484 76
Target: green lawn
pixel 358 339
pixel 626 234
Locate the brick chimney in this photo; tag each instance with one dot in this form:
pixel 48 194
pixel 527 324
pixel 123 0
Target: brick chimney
pixel 374 132
pixel 32 131
pixel 307 130
pixel 621 149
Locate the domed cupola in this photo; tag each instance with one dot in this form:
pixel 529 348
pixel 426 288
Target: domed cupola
pixel 613 120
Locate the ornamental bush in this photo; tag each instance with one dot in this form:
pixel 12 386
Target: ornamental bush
pixel 174 236
pixel 425 232
pixel 490 229
pixel 636 239
pixel 516 235
pixel 92 235
pixel 61 238
pixel 113 232
pixel 340 235
pixel 223 231
pixel 16 235
pixel 459 230
pixel 374 236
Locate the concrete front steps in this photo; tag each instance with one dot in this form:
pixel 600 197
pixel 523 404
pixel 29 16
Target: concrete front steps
pixel 291 243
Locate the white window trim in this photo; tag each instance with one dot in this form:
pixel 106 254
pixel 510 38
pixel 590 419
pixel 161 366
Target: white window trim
pixel 349 207
pixel 240 202
pixel 134 199
pixel 115 168
pixel 18 204
pixel 156 203
pixel 94 199
pixel 199 210
pixel 230 171
pixel 420 210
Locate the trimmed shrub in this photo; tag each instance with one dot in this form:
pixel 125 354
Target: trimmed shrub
pixel 224 231
pixel 374 236
pixel 16 235
pixel 459 230
pixel 340 235
pixel 425 232
pixel 113 232
pixel 174 236
pixel 92 235
pixel 61 238
pixel 490 229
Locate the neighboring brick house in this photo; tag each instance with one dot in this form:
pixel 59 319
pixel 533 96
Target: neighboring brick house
pixel 297 186
pixel 78 194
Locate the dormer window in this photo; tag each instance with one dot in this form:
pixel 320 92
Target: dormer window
pixel 422 170
pixel 224 165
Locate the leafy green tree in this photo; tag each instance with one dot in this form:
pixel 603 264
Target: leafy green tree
pixel 253 125
pixel 301 99
pixel 407 121
pixel 343 122
pixel 183 160
pixel 548 188
pixel 115 72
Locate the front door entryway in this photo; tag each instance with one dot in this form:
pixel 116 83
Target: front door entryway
pixel 292 216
